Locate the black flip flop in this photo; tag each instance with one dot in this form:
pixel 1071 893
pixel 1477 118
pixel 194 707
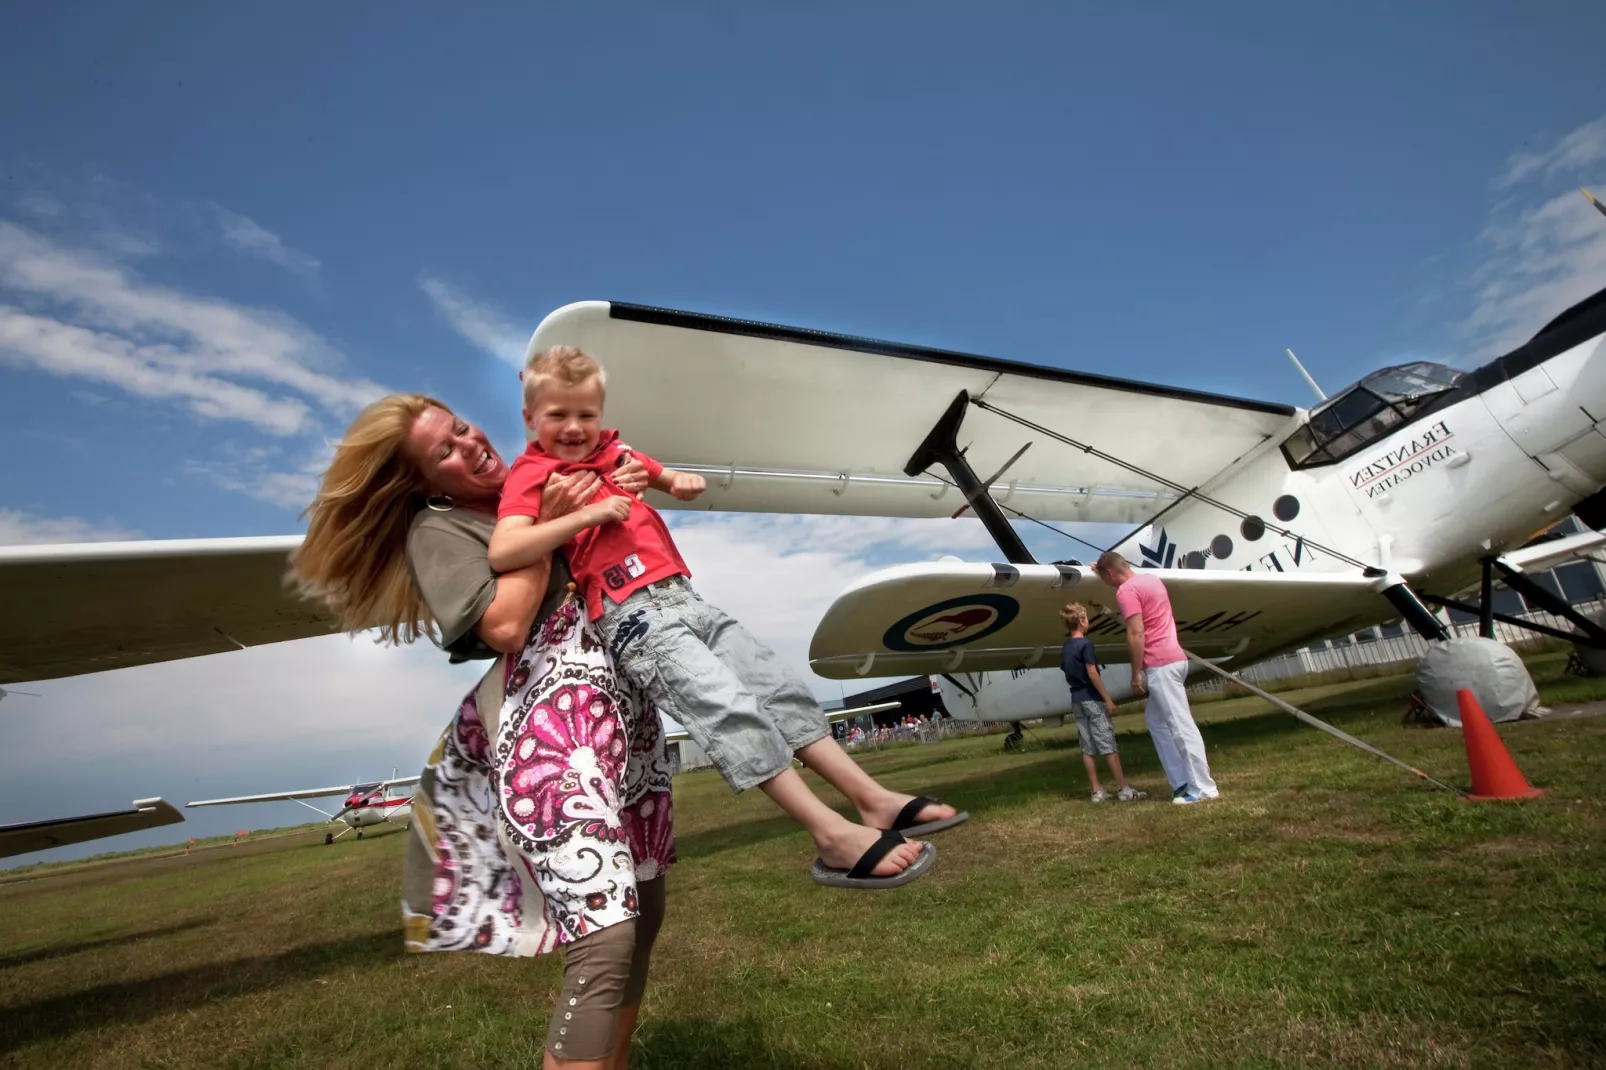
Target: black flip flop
pixel 905 820
pixel 860 875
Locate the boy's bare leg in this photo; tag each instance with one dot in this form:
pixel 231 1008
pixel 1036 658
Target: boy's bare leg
pixel 878 807
pixel 1115 770
pixel 840 842
pixel 1092 768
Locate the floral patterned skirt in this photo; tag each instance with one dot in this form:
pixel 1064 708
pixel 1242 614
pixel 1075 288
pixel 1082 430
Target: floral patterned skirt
pixel 531 827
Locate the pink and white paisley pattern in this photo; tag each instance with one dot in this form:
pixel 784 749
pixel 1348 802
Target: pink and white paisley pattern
pixel 572 796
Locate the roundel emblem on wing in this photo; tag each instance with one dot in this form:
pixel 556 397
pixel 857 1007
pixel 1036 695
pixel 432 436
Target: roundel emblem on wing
pixel 952 623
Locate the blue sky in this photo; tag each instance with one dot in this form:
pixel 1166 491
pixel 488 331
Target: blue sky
pixel 223 228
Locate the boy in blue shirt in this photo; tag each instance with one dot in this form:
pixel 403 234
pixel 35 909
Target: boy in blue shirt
pixel 1090 704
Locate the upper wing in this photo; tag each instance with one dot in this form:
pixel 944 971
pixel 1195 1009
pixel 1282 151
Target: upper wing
pixel 942 616
pixel 787 420
pixel 82 608
pixel 42 835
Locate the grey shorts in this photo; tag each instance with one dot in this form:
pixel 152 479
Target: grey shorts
pixel 735 697
pixel 1094 733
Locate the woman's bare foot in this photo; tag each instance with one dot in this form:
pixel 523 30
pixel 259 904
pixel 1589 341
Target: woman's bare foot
pixel 884 809
pixel 843 849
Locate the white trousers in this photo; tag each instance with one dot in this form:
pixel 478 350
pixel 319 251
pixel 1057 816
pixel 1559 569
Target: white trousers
pixel 1176 737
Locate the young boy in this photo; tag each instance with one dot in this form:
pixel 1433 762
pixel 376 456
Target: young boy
pixel 1090 703
pixel 736 699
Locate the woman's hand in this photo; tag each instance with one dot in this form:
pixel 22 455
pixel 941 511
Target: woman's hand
pixel 564 494
pixel 631 477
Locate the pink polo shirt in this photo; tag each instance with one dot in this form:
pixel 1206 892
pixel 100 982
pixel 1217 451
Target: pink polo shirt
pixel 1144 594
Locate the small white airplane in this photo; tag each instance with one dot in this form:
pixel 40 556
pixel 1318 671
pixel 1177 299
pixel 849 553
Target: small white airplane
pixel 1276 526
pixel 365 805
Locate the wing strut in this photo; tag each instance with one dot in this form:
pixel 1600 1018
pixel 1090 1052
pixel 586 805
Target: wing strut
pixel 942 447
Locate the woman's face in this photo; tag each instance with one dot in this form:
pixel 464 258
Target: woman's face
pixel 455 457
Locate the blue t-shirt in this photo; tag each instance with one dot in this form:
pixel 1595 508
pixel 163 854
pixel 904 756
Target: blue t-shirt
pixel 1075 657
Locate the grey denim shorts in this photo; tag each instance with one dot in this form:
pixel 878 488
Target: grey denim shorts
pixel 735 697
pixel 1094 733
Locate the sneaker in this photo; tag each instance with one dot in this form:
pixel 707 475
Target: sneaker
pixel 1187 798
pixel 1177 793
pixel 1128 793
pixel 1100 795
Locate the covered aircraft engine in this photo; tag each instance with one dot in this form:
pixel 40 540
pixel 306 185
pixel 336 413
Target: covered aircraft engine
pixel 1492 671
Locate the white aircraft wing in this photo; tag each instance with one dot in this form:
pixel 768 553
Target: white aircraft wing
pixel 947 616
pixel 71 609
pixel 42 835
pixel 1552 552
pixel 786 420
pixel 831 717
pixel 308 793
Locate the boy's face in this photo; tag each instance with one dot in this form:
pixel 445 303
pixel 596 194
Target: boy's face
pixel 567 420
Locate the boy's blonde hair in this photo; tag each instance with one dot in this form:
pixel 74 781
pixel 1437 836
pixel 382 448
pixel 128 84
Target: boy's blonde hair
pixel 1074 615
pixel 568 365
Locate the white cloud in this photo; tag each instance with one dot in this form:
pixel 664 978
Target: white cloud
pixel 250 237
pixel 18 528
pixel 1576 150
pixel 260 473
pixel 477 321
pixel 101 322
pixel 1543 250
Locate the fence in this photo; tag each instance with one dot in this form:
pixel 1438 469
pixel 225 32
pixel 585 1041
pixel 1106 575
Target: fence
pixel 925 732
pixel 1372 649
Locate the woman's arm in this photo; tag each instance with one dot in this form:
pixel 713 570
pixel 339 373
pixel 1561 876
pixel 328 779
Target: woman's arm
pixel 505 624
pixel 507 619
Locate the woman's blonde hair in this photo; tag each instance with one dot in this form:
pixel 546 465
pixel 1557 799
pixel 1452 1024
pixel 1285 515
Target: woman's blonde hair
pixel 354 557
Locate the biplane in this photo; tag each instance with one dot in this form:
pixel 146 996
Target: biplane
pixel 1275 525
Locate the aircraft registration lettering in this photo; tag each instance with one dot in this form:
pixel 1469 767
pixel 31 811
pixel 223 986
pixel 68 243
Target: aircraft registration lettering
pixel 1399 464
pixel 953 622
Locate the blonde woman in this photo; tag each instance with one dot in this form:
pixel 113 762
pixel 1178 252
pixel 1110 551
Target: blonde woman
pixel 543 818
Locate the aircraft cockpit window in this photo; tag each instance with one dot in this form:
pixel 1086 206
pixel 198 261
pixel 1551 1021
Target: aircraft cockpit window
pixel 1366 412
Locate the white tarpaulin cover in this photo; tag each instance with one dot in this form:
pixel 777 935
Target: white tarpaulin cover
pixel 1491 670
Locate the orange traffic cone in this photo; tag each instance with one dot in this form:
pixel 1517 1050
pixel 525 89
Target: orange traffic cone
pixel 1494 774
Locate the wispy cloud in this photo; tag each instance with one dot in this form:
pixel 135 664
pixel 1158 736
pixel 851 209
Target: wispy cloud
pixel 91 317
pixel 1576 150
pixel 18 528
pixel 1543 249
pixel 477 321
pixel 250 237
pixel 264 473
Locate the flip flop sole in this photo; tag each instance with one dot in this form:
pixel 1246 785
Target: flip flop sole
pixel 917 831
pixel 838 878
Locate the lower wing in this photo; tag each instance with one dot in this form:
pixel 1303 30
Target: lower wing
pixel 942 616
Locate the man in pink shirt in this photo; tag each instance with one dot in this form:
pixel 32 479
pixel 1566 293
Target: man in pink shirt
pixel 1161 668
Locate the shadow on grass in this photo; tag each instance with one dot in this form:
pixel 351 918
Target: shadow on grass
pixel 149 997
pixel 714 1045
pixel 44 954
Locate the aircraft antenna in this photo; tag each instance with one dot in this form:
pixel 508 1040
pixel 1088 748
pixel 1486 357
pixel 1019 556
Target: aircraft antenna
pixel 1306 374
pixel 1601 208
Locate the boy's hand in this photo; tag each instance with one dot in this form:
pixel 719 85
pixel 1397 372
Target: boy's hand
pixel 687 485
pixel 615 507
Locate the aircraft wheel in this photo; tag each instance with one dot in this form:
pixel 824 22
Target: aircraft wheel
pixel 328 838
pixel 359 834
pixel 1012 741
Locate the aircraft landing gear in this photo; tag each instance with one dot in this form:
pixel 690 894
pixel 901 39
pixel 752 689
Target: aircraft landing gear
pixel 359 834
pixel 328 838
pixel 1012 741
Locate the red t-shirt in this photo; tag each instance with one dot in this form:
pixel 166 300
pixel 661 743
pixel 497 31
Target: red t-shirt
pixel 619 558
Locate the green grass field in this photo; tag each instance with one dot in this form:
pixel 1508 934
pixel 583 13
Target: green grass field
pixel 1329 910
